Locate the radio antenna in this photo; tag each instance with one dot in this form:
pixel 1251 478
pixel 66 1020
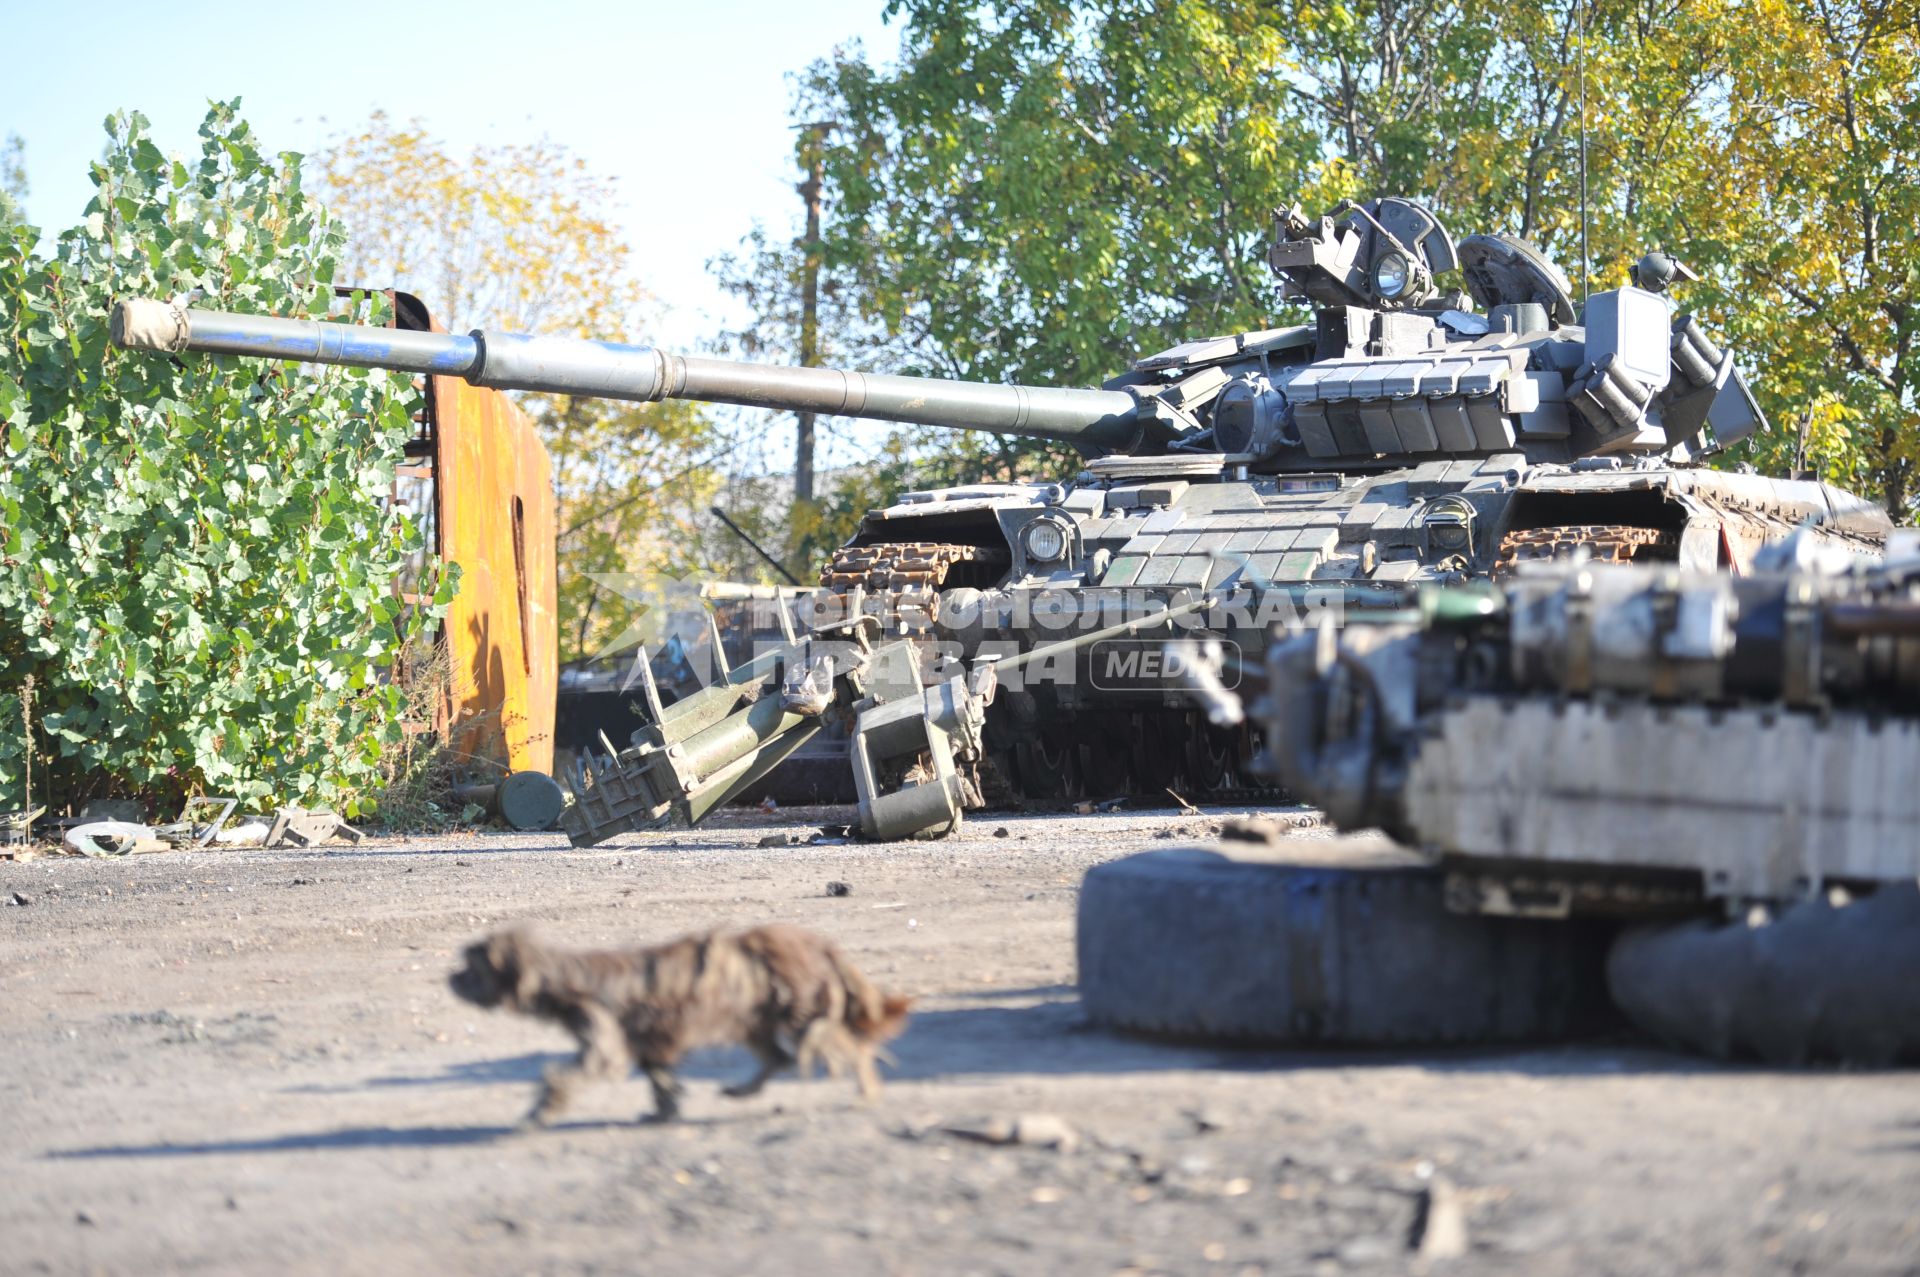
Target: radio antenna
pixel 1580 58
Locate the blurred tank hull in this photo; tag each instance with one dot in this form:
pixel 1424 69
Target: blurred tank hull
pixel 1601 736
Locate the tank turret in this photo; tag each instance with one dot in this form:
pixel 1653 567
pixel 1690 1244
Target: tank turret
pixel 1393 371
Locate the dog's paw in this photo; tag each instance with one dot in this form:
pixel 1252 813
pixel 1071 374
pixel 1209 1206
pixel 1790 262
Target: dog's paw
pixel 536 1120
pixel 742 1090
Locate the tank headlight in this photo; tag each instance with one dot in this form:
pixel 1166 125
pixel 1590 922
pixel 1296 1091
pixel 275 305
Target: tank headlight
pixel 1449 524
pixel 1045 541
pixel 1391 275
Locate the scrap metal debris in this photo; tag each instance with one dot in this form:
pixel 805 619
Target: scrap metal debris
pixel 1440 1223
pixel 16 827
pixel 1035 1130
pixel 200 825
pixel 187 832
pixel 112 838
pixel 297 827
pixel 1186 808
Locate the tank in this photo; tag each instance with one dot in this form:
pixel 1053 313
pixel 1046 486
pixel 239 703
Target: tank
pixel 1623 738
pixel 1695 783
pixel 1412 432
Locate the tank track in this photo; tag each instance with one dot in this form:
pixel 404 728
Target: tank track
pixel 1604 542
pixel 901 580
pixel 895 566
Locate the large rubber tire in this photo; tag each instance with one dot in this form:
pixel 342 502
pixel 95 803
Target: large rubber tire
pixel 1817 984
pixel 1342 942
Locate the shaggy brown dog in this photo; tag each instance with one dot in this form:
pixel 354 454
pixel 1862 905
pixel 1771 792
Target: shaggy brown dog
pixel 788 995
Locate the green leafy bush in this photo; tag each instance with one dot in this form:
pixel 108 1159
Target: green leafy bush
pixel 197 556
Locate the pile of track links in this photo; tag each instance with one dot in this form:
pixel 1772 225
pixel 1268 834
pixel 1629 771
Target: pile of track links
pixel 1300 943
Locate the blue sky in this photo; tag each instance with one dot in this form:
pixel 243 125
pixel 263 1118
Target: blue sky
pixel 686 104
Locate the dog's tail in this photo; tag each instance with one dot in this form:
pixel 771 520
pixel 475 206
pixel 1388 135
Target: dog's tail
pixel 853 1038
pixel 871 1016
pixel 855 1030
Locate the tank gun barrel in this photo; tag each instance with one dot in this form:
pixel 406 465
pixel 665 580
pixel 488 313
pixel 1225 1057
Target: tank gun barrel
pixel 1094 419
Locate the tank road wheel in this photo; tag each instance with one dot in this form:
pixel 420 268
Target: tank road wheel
pixel 1819 983
pixel 1347 945
pixel 1603 542
pixel 1213 758
pixel 1049 769
pixel 1106 767
pixel 1156 757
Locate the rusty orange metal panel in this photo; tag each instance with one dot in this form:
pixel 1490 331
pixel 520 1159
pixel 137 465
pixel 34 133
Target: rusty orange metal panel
pixel 493 494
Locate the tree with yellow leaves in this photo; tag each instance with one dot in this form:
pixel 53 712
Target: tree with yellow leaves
pixel 1812 209
pixel 13 180
pixel 522 237
pixel 1041 188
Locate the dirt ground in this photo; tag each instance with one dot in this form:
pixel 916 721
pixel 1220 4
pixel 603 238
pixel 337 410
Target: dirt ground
pixel 249 1061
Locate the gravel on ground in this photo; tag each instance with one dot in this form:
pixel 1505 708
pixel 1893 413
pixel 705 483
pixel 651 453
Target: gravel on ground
pixel 249 1061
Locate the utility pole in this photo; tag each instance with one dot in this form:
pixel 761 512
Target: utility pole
pixel 814 162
